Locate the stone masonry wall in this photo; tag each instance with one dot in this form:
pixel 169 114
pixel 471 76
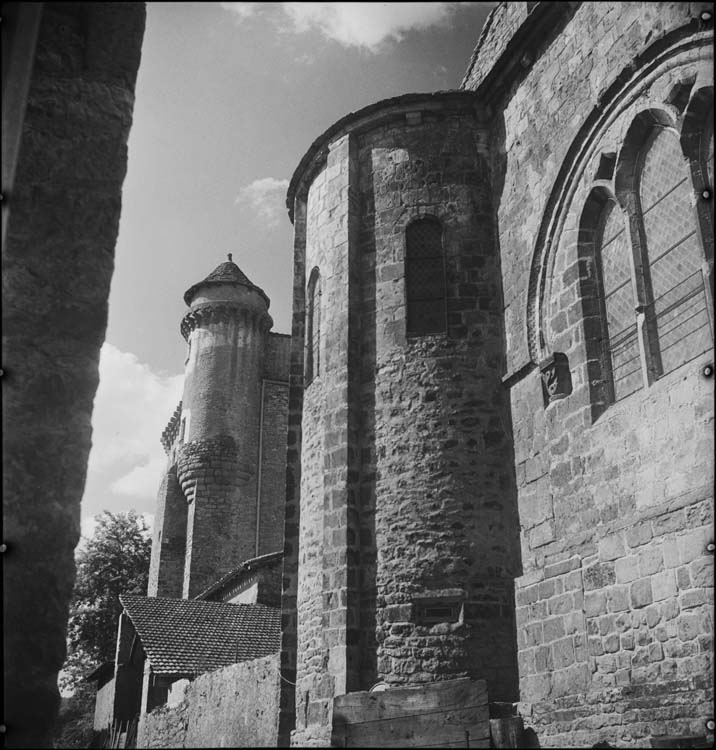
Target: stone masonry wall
pixel 614 609
pixel 390 426
pixel 236 706
pixel 445 513
pixel 57 267
pixel 166 568
pixel 273 468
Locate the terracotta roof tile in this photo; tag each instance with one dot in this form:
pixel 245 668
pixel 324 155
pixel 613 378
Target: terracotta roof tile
pixel 192 636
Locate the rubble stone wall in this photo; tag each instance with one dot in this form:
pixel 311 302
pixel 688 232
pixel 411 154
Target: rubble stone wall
pixel 236 706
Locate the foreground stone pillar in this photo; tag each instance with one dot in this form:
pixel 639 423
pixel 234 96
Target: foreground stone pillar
pixel 57 265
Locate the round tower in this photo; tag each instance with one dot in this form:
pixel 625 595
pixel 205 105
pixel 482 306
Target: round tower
pixel 404 487
pixel 226 330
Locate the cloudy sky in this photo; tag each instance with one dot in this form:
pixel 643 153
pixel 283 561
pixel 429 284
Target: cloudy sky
pixel 229 97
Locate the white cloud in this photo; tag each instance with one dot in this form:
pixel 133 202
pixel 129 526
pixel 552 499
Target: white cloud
pixel 366 25
pixel 267 198
pixel 242 11
pixel 131 409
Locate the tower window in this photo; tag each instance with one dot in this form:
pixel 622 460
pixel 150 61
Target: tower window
pixel 313 328
pixel 425 291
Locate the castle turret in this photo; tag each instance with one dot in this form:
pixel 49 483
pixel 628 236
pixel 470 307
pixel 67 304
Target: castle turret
pixel 226 330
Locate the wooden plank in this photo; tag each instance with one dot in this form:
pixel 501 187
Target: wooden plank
pixel 451 713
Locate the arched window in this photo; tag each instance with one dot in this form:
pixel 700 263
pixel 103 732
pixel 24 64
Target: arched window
pixel 677 321
pixel 425 278
pixel 621 360
pixel 313 328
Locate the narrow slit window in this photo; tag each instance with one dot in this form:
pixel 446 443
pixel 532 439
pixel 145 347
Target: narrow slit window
pixel 425 278
pixel 313 328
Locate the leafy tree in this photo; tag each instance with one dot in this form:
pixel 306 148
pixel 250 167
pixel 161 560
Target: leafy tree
pixel 114 561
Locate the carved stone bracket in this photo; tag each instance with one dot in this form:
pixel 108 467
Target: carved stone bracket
pixel 556 377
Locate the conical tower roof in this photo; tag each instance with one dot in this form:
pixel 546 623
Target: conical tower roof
pixel 225 273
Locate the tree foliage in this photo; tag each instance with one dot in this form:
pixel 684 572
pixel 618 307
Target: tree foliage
pixel 114 561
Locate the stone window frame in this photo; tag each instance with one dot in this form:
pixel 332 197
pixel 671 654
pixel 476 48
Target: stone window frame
pixel 623 191
pixel 413 333
pixel 312 362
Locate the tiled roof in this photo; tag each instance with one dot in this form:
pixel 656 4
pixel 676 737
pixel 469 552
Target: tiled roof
pixel 225 273
pixel 248 566
pixel 192 636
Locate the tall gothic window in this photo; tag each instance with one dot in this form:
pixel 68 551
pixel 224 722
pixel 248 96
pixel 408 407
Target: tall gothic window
pixel 313 328
pixel 425 291
pixel 621 361
pixel 648 301
pixel 678 324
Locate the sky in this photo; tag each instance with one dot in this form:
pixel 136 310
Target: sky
pixel 229 97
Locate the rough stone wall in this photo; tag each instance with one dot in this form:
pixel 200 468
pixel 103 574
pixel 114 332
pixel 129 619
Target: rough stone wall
pixel 273 467
pixel 236 706
pixel 166 569
pixel 498 31
pixel 221 519
pixel 277 356
pixel 57 267
pixel 312 695
pixel 406 474
pixel 614 610
pixel 444 495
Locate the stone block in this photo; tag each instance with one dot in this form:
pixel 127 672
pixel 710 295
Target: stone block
pixel 553 628
pixel 641 593
pixel 598 576
pixel 542 534
pixel 688 627
pixel 695 598
pixel 618 598
pixel 650 560
pixel 563 653
pixel 560 605
pixel 663 585
pixel 595 603
pixel 626 569
pixel 702 572
pixel 611 547
pixel 638 534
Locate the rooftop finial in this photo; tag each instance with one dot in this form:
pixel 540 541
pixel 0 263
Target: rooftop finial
pixel 229 256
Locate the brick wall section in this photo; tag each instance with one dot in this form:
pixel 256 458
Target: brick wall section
pixel 231 707
pixel 614 610
pixel 57 268
pixel 166 569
